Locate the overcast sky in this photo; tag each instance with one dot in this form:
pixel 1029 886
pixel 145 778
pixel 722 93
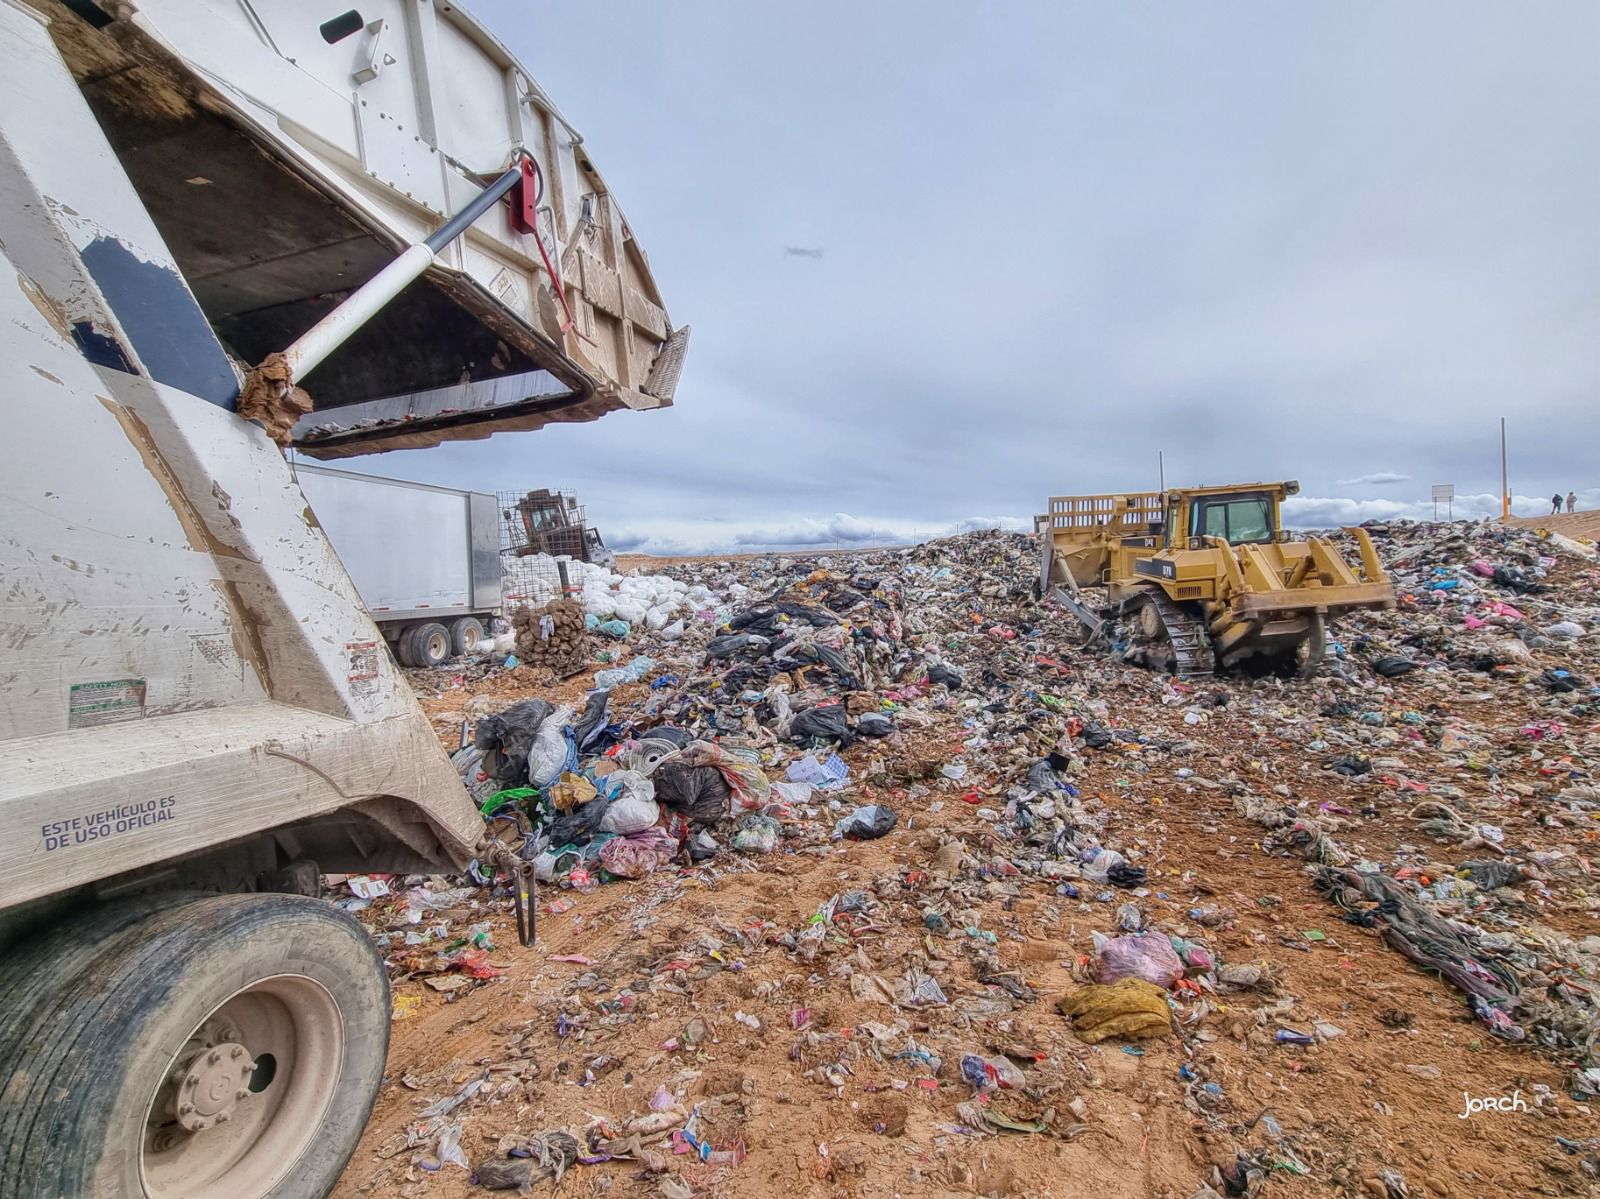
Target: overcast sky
pixel 1332 242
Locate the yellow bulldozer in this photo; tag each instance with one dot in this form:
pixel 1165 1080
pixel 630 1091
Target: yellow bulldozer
pixel 1201 577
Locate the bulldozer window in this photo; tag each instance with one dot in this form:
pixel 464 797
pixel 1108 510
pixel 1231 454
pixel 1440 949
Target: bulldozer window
pixel 1239 519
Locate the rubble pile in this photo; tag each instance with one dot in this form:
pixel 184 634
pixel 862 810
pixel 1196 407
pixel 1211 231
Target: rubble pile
pixel 873 877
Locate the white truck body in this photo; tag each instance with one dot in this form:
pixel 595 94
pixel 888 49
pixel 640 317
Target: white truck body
pixel 192 696
pixel 414 551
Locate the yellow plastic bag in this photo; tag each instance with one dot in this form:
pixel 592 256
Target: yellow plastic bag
pixel 1129 1007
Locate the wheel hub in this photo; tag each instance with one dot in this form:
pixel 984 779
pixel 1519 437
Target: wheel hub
pixel 211 1085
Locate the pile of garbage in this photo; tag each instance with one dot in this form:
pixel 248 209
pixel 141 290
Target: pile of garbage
pixel 1147 862
pixel 619 604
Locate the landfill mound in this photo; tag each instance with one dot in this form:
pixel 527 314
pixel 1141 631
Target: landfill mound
pixel 873 879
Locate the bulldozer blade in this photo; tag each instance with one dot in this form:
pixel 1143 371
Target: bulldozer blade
pixel 1078 608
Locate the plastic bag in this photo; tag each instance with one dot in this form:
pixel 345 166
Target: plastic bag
pixel 731 644
pixel 825 722
pixel 506 737
pixel 673 631
pixel 615 628
pixel 701 793
pixel 866 823
pixel 1129 1008
pixel 874 724
pixel 740 767
pixel 829 775
pixel 1148 956
pixel 757 834
pixel 637 854
pixel 1097 864
pixel 631 673
pixel 580 824
pixel 553 748
pixel 633 807
pixel 593 722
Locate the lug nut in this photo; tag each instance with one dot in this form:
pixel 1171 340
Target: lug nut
pixel 223 1117
pixel 186 1109
pixel 241 1093
pixel 214 1057
pixel 189 1082
pixel 238 1052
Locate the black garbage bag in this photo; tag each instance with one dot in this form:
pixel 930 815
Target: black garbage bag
pixel 1097 736
pixel 1349 765
pixel 825 722
pixel 733 645
pixel 669 733
pixel 866 824
pixel 808 613
pixel 580 824
pixel 1393 665
pixel 761 621
pixel 840 665
pixel 874 724
pixel 1512 577
pixel 1559 682
pixel 1043 778
pixel 506 737
pixel 701 793
pixel 1126 876
pixel 592 723
pixel 940 673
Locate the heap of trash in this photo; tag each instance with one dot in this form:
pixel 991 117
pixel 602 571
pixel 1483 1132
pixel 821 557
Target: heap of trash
pixel 1020 889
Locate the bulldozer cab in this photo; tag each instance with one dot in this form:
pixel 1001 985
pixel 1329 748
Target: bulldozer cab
pixel 1240 516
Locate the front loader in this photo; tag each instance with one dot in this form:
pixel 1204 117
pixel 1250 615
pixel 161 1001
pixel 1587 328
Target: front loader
pixel 1204 576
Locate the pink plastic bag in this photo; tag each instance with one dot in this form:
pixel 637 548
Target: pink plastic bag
pixel 1149 956
pixel 637 854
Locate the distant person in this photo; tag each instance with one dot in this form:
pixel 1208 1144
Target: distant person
pixel 1572 501
pixel 1555 504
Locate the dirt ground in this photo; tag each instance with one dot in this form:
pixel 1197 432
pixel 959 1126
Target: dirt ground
pixel 681 986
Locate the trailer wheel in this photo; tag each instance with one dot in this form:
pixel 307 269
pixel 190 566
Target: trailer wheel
pixel 466 634
pixel 229 1047
pixel 425 644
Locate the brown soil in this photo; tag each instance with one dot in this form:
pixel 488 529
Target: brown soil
pixel 1575 525
pixel 1379 1096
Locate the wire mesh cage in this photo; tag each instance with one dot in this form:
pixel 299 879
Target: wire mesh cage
pixel 536 527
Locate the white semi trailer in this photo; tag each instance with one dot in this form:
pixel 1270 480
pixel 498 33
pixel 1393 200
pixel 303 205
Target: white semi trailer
pixel 425 559
pixel 224 225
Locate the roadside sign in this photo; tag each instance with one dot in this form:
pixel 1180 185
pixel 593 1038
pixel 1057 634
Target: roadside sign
pixel 1444 493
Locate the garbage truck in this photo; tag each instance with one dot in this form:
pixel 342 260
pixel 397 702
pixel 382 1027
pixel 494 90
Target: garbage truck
pixel 227 229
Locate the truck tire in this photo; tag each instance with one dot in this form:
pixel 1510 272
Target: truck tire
pixel 466 634
pixel 426 644
pixel 278 1006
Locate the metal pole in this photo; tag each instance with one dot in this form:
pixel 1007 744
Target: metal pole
pixel 1505 488
pixel 485 200
pixel 333 330
pixel 1161 468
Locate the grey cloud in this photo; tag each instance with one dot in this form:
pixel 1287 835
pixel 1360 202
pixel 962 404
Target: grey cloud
pixel 1322 242
pixel 1376 479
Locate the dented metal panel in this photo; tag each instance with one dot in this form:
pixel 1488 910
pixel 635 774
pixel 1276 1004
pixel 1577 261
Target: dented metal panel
pixel 183 661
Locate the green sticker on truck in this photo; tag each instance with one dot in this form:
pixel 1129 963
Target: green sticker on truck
pixel 89 704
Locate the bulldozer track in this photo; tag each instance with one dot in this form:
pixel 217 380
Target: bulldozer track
pixel 1191 644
